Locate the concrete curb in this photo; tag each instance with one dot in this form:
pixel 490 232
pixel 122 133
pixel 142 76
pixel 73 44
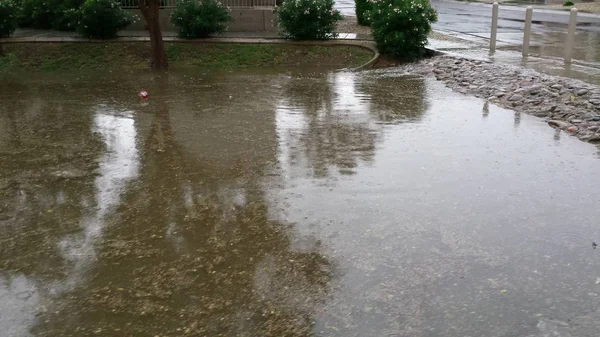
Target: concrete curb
pixel 365 44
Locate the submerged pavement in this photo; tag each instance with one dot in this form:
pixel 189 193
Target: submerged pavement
pixel 288 203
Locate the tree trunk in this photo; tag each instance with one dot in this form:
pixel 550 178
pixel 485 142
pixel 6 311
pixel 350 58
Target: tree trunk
pixel 150 11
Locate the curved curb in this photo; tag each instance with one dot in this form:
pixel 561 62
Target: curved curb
pixel 371 62
pixel 365 44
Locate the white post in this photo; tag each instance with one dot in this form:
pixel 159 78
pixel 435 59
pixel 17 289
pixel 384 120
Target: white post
pixel 527 33
pixel 571 36
pixel 495 9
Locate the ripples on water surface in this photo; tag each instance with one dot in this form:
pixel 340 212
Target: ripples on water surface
pixel 289 204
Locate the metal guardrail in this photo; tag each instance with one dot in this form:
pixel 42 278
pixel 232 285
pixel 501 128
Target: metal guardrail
pixel 228 3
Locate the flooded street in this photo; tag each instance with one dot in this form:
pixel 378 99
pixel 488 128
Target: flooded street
pixel 288 203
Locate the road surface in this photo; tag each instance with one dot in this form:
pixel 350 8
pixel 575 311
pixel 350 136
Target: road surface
pixel 473 20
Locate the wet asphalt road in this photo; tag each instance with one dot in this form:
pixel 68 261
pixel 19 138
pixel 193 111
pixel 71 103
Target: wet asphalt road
pixel 476 17
pixel 549 28
pixel 472 21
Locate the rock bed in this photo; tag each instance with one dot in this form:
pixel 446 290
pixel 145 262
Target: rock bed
pixel 570 105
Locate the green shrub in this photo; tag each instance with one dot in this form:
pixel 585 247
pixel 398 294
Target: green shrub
pixel 67 19
pixel 103 19
pixel 66 14
pixel 35 13
pixel 45 14
pixel 8 17
pixel 24 12
pixel 569 4
pixel 199 19
pixel 401 27
pixel 362 8
pixel 308 19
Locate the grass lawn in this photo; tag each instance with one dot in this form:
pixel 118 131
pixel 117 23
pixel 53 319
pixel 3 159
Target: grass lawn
pixel 135 55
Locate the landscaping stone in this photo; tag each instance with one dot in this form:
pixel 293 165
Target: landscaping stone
pixel 595 101
pixel 515 97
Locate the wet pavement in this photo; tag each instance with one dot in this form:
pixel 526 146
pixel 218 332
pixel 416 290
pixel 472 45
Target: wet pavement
pixel 289 203
pixel 549 28
pixel 472 23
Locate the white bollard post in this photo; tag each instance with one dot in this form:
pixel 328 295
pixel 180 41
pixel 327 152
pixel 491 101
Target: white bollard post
pixel 495 10
pixel 571 36
pixel 527 32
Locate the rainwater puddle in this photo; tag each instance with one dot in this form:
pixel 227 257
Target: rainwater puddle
pixel 289 204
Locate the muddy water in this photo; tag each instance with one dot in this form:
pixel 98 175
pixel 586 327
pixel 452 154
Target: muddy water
pixel 289 204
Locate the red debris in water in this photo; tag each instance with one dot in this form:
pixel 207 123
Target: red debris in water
pixel 143 94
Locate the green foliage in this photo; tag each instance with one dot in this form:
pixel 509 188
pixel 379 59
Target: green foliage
pixel 45 14
pixel 102 19
pixel 569 4
pixel 362 9
pixel 401 27
pixel 35 13
pixel 199 19
pixel 67 20
pixel 8 18
pixel 308 19
pixel 66 14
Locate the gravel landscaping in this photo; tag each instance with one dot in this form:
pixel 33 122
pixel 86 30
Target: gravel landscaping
pixel 570 105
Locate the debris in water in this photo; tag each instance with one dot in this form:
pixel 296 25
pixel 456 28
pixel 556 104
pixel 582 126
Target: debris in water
pixel 143 94
pixel 594 245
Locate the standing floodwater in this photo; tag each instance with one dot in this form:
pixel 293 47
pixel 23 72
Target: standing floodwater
pixel 289 204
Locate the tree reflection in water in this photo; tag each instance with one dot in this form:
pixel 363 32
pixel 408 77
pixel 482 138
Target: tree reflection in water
pixel 47 169
pixel 395 99
pixel 324 123
pixel 335 120
pixel 183 247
